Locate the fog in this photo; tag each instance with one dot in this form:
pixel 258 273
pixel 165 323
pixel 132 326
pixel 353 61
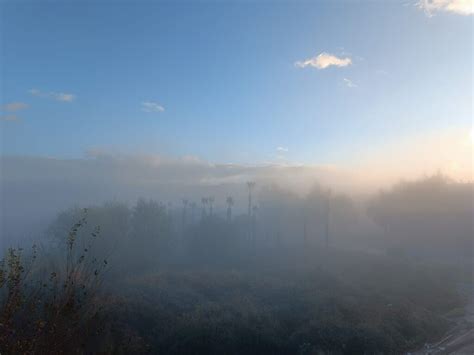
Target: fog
pixel 58 184
pixel 236 177
pixel 36 189
pixel 218 243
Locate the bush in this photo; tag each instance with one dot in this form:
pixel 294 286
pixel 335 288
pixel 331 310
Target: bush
pixel 50 309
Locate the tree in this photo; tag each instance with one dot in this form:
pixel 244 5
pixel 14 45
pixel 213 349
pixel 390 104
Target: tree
pixel 150 231
pixel 185 205
pixel 193 211
pixel 204 202
pixel 211 203
pixel 430 215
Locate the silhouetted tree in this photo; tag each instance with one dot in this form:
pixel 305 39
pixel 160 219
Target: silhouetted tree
pixel 185 206
pixel 193 211
pixel 211 204
pixel 204 202
pixel 150 232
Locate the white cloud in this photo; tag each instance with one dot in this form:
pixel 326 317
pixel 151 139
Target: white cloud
pixel 323 61
pixel 58 96
pixel 460 7
pixel 15 106
pixel 349 83
pixel 282 149
pixel 152 107
pixel 64 97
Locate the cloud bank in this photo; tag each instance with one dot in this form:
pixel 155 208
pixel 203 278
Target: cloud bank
pixel 57 184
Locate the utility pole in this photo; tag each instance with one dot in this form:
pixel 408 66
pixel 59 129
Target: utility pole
pixel 254 227
pixel 185 206
pixel 328 212
pixel 305 239
pixel 250 186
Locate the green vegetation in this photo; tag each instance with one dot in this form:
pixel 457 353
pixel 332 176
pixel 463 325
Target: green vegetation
pixel 366 305
pixel 50 308
pixel 328 302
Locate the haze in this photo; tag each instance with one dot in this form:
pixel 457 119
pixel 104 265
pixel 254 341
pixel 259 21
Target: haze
pixel 289 146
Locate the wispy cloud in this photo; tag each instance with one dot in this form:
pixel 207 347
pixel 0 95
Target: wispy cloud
pixel 282 149
pixel 9 118
pixel 460 7
pixel 58 96
pixel 148 106
pixel 15 106
pixel 349 83
pixel 323 61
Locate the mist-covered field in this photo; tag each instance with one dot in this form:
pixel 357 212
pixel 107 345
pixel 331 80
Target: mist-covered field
pixel 319 273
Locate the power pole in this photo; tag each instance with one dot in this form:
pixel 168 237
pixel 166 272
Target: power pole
pixel 250 186
pixel 328 212
pixel 185 205
pixel 305 239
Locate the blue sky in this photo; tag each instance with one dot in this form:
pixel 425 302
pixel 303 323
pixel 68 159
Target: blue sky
pixel 220 78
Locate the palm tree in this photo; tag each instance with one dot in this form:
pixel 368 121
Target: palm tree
pixel 230 203
pixel 185 205
pixel 204 202
pixel 193 210
pixel 211 202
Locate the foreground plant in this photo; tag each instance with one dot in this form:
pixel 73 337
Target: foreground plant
pixel 50 309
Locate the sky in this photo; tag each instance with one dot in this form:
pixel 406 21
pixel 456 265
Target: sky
pixel 244 82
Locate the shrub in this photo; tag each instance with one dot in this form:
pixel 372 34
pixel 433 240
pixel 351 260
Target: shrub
pixel 50 309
